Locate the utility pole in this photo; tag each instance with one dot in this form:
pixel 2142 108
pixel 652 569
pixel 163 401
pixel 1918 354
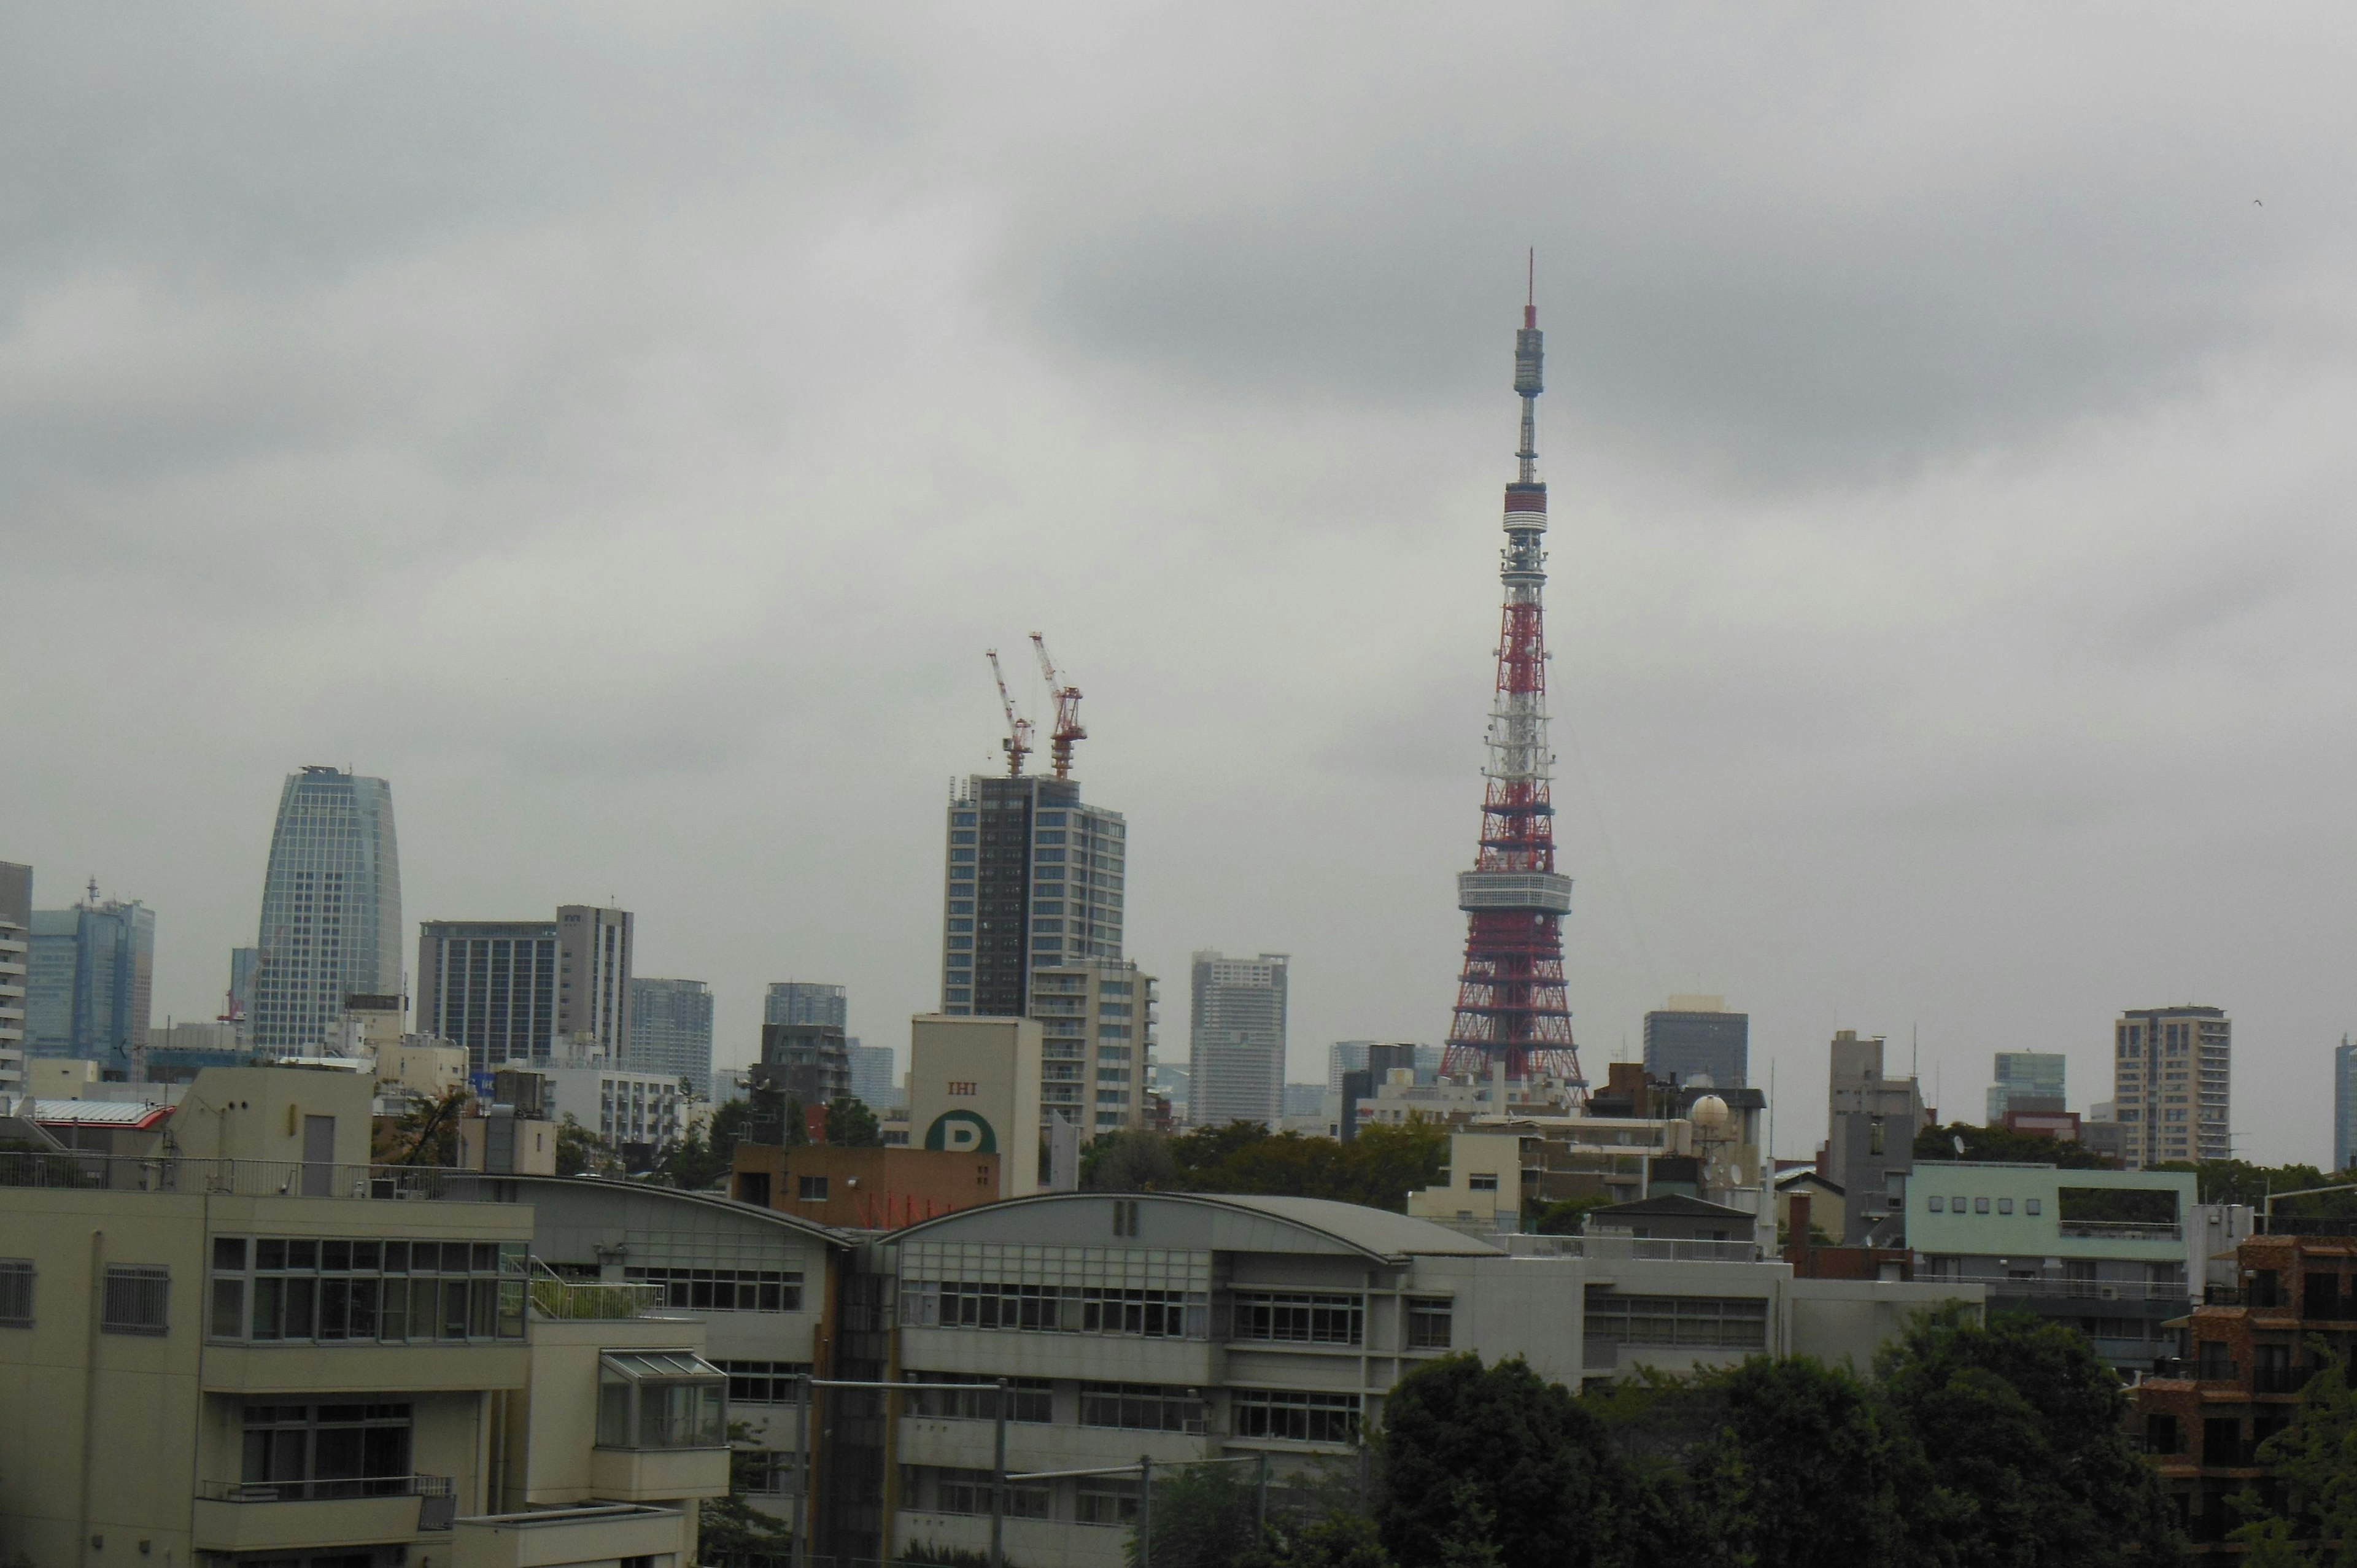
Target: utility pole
pixel 999 1477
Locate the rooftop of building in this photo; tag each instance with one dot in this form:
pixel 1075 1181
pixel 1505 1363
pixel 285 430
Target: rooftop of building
pixel 135 1114
pixel 1670 1205
pixel 1376 1233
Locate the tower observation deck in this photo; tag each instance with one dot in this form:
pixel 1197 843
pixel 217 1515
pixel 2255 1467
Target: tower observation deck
pixel 1511 1003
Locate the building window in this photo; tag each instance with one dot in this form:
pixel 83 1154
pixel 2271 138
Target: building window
pixel 15 1292
pixel 1738 1322
pixel 1068 1309
pixel 1429 1323
pixel 305 1452
pixel 1029 1399
pixel 1294 1417
pixel 1874 1136
pixel 758 1473
pixel 811 1188
pixel 137 1298
pixel 1483 1181
pixel 726 1290
pixel 2004 1206
pixel 1141 1407
pixel 661 1398
pixel 968 1492
pixel 1300 1319
pixel 1980 1206
pixel 342 1290
pixel 1103 1499
pixel 2032 1205
pixel 1934 1203
pixel 763 1382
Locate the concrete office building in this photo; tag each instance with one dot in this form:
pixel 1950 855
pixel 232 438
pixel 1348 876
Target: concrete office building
pixel 1871 1120
pixel 671 1031
pixel 330 910
pixel 1186 1326
pixel 1356 1069
pixel 805 1002
pixel 16 954
pixel 638 1115
pixel 810 1061
pixel 90 980
pixel 2172 1084
pixel 2116 1254
pixel 1236 1041
pixel 1096 1025
pixel 2344 1104
pixel 875 1078
pixel 593 980
pixel 974 1087
pixel 1696 1037
pixel 228 1372
pixel 1034 878
pixel 2027 1080
pixel 490 987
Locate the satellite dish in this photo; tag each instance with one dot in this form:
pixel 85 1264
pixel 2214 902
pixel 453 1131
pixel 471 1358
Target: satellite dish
pixel 1959 1141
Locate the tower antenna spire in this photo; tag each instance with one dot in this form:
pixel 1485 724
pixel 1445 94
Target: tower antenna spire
pixel 1513 1013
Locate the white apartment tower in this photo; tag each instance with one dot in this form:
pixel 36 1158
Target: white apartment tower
pixel 1236 1041
pixel 2171 1084
pixel 15 935
pixel 593 980
pixel 1096 1022
pixel 330 909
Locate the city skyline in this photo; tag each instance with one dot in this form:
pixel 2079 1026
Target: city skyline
pixel 1939 588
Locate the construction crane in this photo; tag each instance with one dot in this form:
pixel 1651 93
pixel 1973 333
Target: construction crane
pixel 1017 744
pixel 1068 712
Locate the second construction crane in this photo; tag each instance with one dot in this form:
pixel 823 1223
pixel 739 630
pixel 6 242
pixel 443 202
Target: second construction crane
pixel 1017 744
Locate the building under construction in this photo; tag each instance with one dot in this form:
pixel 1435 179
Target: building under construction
pixel 1512 1016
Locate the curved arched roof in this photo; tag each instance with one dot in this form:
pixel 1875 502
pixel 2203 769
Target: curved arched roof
pixel 1230 1222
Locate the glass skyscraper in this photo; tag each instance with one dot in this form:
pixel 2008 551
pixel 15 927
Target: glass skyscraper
pixel 671 1030
pixel 90 981
pixel 330 910
pixel 1035 880
pixel 2027 1080
pixel 2344 1104
pixel 805 1002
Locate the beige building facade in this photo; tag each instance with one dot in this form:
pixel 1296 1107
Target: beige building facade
pixel 974 1087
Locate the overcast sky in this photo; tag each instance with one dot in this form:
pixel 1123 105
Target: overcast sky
pixel 624 429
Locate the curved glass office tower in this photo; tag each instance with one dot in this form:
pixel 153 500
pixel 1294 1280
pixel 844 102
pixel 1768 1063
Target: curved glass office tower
pixel 330 910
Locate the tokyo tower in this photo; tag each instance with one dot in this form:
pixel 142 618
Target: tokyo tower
pixel 1511 1004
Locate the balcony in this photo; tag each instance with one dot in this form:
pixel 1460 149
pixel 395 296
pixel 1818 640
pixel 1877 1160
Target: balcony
pixel 284 1516
pixel 2119 1231
pixel 546 1537
pixel 658 1474
pixel 2175 1293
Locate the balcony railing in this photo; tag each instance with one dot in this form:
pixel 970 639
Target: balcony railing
pixel 554 1295
pixel 324 1488
pixel 2280 1380
pixel 2119 1231
pixel 2086 1290
pixel 241 1178
pixel 1632 1248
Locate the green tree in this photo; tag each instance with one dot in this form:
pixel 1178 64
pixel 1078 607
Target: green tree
pixel 727 1129
pixel 1491 1465
pixel 852 1125
pixel 2019 1424
pixel 1341 1539
pixel 692 1164
pixel 1128 1161
pixel 731 1526
pixel 1386 1162
pixel 2239 1181
pixel 427 1133
pixel 1997 1143
pixel 580 1152
pixel 1804 1471
pixel 1567 1216
pixel 2313 1462
pixel 1205 1516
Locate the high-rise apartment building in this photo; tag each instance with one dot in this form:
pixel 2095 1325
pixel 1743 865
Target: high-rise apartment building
pixel 16 954
pixel 671 1031
pixel 2027 1080
pixel 488 986
pixel 1696 1037
pixel 2171 1084
pixel 1096 1022
pixel 244 963
pixel 1034 880
pixel 89 979
pixel 805 1002
pixel 330 910
pixel 810 1061
pixel 1236 1041
pixel 593 979
pixel 2344 1104
pixel 874 1081
pixel 1870 1126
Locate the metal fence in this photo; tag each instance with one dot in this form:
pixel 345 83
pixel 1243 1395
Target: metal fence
pixel 1610 1248
pixel 324 1488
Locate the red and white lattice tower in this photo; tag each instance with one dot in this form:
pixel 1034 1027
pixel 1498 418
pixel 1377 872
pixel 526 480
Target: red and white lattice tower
pixel 1510 1005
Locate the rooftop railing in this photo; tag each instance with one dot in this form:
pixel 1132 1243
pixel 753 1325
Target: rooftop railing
pixel 81 1171
pixel 2120 1230
pixel 1632 1248
pixel 2085 1290
pixel 554 1295
pixel 324 1490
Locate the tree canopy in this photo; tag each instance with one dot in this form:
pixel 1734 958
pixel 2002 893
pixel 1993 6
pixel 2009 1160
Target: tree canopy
pixel 1378 1168
pixel 1999 1144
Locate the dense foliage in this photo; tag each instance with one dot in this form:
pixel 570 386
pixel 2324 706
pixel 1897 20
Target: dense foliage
pixel 2239 1181
pixel 1997 1144
pixel 852 1125
pixel 2309 1519
pixel 1378 1168
pixel 1967 1446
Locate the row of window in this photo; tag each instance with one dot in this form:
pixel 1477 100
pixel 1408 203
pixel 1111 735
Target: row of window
pixel 1955 1205
pixel 764 1382
pixel 729 1290
pixel 299 1452
pixel 335 1309
pixel 1736 1323
pixel 133 1298
pixel 274 1254
pixel 1057 1309
pixel 1284 1415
